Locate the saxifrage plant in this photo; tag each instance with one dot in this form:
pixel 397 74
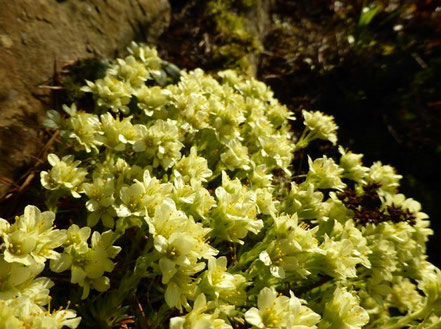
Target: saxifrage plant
pixel 190 214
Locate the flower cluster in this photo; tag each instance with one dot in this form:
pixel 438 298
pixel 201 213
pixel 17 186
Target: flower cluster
pixel 188 202
pixel 87 264
pixel 24 248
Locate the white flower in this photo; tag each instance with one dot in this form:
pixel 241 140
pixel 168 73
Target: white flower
pixel 160 142
pixel 236 156
pixel 178 239
pixel 110 93
pixel 192 167
pixel 198 318
pixel 343 311
pixel 32 237
pixel 130 70
pixel 222 284
pixel 341 258
pixel 88 265
pixel 292 247
pixel 116 133
pixel 83 128
pixel 14 275
pixel 352 166
pixel 385 175
pixel 65 173
pixel 318 126
pixel 280 312
pixel 142 198
pixel 324 173
pixel 236 211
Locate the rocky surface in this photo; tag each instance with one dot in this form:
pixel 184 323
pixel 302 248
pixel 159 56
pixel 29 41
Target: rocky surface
pixel 39 37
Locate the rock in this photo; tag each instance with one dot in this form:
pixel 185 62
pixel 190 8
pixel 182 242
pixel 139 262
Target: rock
pixel 37 37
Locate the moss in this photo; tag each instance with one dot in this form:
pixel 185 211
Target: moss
pixel 236 43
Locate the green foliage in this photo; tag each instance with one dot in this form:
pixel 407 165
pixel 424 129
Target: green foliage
pixel 196 217
pixel 368 14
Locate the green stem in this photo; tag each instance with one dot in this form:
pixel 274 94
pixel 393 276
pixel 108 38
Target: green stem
pixel 320 282
pixel 215 175
pixel 410 317
pixel 158 318
pixel 131 279
pixel 436 325
pixel 53 197
pixel 304 140
pixel 253 254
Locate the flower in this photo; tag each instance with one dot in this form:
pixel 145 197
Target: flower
pixel 110 93
pixel 23 313
pixel 83 128
pixel 236 156
pixel 192 198
pixel 180 241
pixel 101 200
pixel 343 311
pixel 115 133
pixel 197 318
pixel 236 211
pixel 197 183
pixel 324 173
pixel 147 55
pixel 260 176
pixel 304 201
pixel 340 259
pixel 151 99
pixel 13 276
pixel 76 238
pixel 280 312
pixel 192 167
pixel 64 174
pixel 352 166
pixel 318 126
pixel 431 285
pixel 32 238
pixel 292 247
pixel 130 70
pixel 276 151
pixel 221 284
pixel 88 265
pixel 385 175
pixel 142 198
pixel 160 142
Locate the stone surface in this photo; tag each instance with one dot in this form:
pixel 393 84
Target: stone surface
pixel 258 22
pixel 37 37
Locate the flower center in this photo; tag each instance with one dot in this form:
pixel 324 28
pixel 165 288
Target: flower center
pixel 270 318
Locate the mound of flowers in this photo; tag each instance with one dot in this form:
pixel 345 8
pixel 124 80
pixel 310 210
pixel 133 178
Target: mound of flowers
pixel 186 200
